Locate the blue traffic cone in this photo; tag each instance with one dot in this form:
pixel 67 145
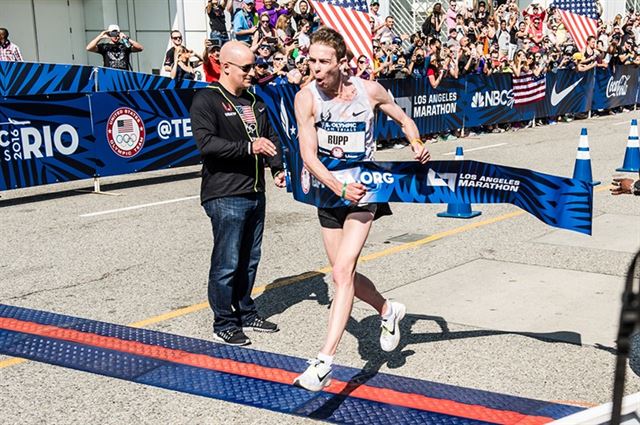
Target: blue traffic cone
pixel 459 210
pixel 631 161
pixel 582 169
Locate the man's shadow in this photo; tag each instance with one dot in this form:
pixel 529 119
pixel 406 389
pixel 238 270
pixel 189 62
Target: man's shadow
pixel 367 333
pixel 282 294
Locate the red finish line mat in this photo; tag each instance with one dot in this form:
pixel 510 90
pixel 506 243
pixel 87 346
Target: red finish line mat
pixel 255 378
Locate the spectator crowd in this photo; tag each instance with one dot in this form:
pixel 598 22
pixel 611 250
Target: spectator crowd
pixel 460 39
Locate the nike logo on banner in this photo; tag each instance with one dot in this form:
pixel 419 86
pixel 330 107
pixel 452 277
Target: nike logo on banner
pixel 556 98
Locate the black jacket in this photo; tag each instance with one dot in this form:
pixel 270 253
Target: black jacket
pixel 224 144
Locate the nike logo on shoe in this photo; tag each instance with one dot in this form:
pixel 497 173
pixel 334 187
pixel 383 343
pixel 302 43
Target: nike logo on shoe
pixel 556 98
pixel 321 378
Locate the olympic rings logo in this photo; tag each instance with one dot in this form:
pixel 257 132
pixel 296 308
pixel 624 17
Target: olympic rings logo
pixel 126 138
pixel 129 142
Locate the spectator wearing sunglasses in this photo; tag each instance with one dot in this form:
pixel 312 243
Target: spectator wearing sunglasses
pixel 263 74
pixel 363 68
pixel 235 140
pixel 265 34
pixel 280 67
pixel 169 57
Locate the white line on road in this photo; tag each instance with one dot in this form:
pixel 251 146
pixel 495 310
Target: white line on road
pixel 622 122
pixel 137 207
pixel 477 149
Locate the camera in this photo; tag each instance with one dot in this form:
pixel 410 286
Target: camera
pixel 215 42
pixel 113 33
pixel 272 40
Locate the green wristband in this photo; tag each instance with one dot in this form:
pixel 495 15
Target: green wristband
pixel 344 189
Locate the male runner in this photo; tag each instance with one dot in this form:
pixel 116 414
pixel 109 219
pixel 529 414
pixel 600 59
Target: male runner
pixel 322 110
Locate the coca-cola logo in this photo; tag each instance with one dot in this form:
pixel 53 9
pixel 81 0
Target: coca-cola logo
pixel 616 88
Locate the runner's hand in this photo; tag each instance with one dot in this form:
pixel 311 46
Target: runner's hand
pixel 279 179
pixel 263 146
pixel 421 153
pixel 355 192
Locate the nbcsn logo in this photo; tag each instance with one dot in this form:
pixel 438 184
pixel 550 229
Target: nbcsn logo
pixel 492 98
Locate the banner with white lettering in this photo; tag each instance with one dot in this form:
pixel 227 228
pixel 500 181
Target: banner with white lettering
pixel 433 110
pixel 488 99
pixel 43 144
pixel 558 201
pixel 615 88
pixel 143 131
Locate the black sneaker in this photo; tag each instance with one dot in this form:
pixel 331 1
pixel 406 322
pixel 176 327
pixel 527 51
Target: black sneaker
pixel 258 324
pixel 231 337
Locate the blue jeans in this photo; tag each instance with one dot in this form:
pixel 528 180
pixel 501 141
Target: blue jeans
pixel 237 223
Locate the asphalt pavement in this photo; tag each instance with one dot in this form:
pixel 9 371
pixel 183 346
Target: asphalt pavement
pixel 501 302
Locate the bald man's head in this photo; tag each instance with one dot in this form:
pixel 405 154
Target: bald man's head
pixel 236 60
pixel 236 52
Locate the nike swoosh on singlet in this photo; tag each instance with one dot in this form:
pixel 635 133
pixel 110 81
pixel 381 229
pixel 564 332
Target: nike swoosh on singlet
pixel 355 114
pixel 556 98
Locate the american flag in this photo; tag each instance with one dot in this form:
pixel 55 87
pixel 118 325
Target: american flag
pixel 246 113
pixel 125 126
pixel 580 17
pixel 527 88
pixel 351 19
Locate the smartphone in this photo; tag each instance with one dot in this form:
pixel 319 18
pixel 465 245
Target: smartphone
pixel 215 42
pixel 272 40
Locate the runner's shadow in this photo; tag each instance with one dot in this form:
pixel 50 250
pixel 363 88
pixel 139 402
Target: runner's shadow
pixel 281 294
pixel 366 332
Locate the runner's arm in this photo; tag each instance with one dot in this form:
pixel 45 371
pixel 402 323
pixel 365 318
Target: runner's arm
pixel 308 139
pixel 381 99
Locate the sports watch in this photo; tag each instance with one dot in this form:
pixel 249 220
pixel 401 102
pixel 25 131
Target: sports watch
pixel 635 189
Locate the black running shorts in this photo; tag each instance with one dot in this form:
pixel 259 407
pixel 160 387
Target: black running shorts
pixel 334 218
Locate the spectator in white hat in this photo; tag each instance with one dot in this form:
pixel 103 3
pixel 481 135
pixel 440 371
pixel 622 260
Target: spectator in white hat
pixel 116 50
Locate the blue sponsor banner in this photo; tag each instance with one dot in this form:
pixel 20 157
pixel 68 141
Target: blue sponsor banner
pixel 615 87
pixel 31 79
pixel 557 201
pixel 488 99
pixel 115 80
pixel 433 110
pixel 567 92
pixel 143 131
pixel 45 140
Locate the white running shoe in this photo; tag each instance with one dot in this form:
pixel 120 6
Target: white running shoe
pixel 390 335
pixel 316 377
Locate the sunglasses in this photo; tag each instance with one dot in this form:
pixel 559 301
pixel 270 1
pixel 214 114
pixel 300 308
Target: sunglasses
pixel 265 22
pixel 177 38
pixel 362 61
pixel 278 59
pixel 244 68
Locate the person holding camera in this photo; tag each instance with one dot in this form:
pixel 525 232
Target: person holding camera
pixel 243 22
pixel 116 50
pixel 217 22
pixel 211 62
pixel 170 55
pixel 183 69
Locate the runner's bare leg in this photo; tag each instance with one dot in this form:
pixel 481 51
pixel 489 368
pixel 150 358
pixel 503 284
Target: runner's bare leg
pixel 343 248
